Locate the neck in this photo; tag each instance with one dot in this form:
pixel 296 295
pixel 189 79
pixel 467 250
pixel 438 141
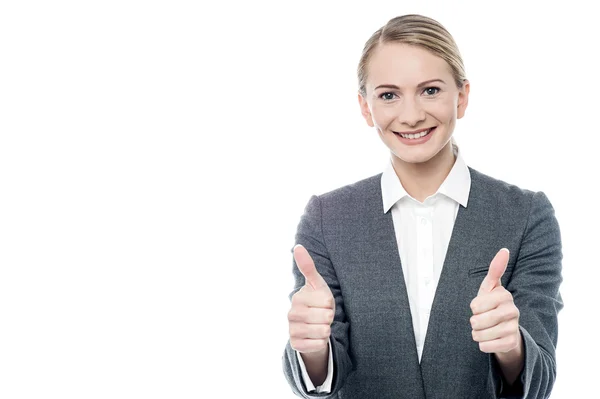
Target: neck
pixel 421 180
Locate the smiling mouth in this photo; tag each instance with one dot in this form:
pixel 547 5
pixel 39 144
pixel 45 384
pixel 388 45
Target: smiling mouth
pixel 415 134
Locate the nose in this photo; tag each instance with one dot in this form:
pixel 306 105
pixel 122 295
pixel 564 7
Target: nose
pixel 411 112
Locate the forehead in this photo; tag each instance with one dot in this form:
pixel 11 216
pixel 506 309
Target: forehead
pixel 405 66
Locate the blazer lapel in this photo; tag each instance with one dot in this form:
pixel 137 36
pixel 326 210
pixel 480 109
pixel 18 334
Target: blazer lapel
pixel 388 259
pixel 450 311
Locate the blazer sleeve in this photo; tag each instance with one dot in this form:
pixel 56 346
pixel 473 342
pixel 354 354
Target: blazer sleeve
pixel 534 285
pixel 310 235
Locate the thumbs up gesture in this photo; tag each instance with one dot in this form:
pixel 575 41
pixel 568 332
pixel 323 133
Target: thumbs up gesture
pixel 313 308
pixel 495 320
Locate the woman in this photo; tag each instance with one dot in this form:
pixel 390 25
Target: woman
pixel 431 279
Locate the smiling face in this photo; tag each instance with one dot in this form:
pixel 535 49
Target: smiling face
pixel 410 90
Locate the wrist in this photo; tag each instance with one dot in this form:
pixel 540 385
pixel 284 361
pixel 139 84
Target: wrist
pixel 316 365
pixel 512 362
pixel 318 354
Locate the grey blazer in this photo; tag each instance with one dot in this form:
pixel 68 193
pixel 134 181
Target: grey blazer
pixel 354 248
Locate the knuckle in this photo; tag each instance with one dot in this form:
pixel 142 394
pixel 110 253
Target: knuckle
pixel 515 340
pixel 296 312
pixel 325 299
pixel 510 312
pixel 299 345
pixel 296 299
pixel 473 305
pixel 513 313
pixel 515 324
pixel 331 301
pixel 293 329
pixel 293 343
pixel 330 316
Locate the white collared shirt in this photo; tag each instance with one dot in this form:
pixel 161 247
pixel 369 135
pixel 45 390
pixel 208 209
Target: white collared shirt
pixel 423 232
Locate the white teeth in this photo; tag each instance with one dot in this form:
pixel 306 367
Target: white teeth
pixel 415 136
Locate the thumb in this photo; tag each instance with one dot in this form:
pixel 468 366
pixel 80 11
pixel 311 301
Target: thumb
pixel 307 268
pixel 495 272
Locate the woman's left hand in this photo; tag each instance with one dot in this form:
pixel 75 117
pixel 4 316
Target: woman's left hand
pixel 495 320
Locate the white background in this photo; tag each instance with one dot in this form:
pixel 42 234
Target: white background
pixel 156 157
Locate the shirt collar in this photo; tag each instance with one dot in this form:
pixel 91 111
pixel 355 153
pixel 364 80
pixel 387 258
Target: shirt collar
pixel 456 185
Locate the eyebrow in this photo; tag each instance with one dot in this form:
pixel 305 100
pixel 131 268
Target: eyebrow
pixel 388 86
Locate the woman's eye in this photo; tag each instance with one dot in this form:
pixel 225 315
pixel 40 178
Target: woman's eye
pixel 387 96
pixel 430 91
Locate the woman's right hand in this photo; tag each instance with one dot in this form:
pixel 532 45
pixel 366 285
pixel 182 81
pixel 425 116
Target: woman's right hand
pixel 313 308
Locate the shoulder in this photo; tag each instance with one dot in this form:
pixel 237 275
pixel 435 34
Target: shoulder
pixel 510 200
pixel 358 192
pixel 498 192
pixel 516 209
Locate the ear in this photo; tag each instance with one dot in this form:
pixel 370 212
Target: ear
pixel 364 110
pixel 463 99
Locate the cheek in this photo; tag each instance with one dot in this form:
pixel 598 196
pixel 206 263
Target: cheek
pixel 383 116
pixel 443 111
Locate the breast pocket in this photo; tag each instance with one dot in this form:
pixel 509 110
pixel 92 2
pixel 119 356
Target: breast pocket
pixel 477 274
pixel 482 270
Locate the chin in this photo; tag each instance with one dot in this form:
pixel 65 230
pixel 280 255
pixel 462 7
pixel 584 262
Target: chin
pixel 414 155
pixel 413 158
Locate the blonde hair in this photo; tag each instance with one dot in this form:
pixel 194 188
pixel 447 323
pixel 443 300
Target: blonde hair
pixel 420 31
